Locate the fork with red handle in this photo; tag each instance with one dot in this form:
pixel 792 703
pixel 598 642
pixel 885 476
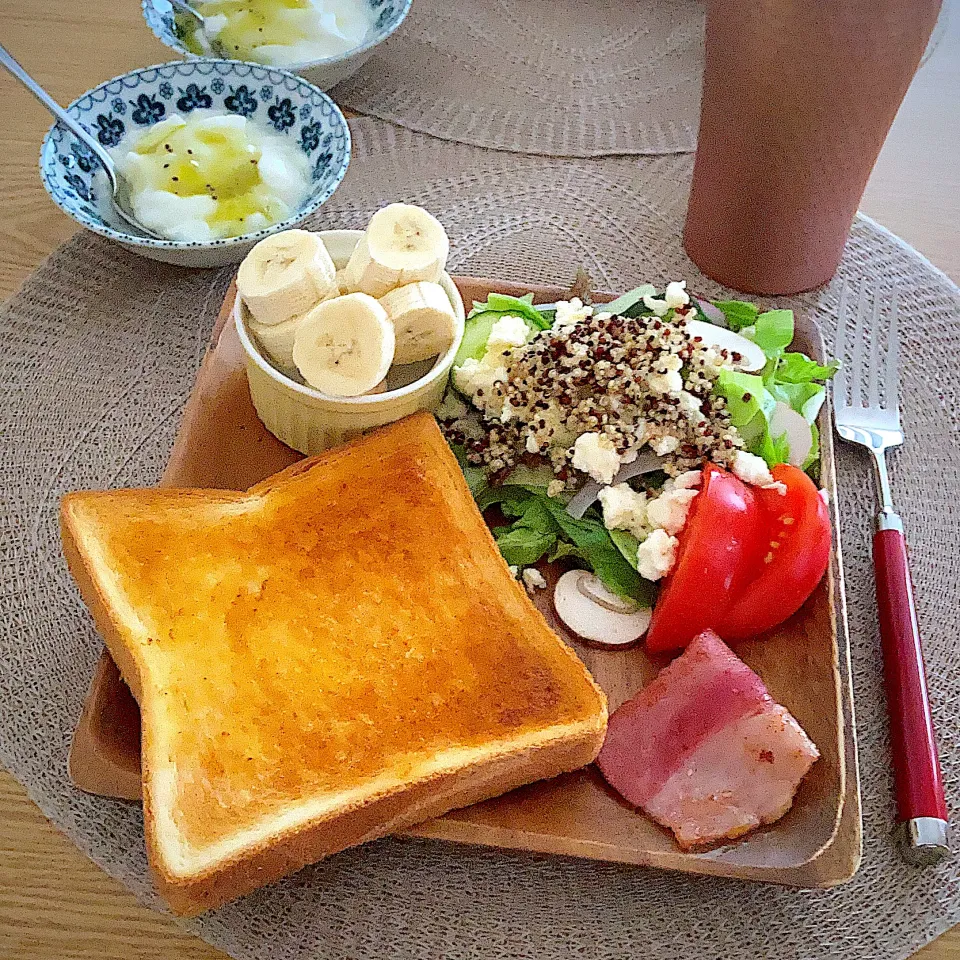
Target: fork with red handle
pixel 868 414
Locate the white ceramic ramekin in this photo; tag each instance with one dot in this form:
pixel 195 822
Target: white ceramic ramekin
pixel 310 421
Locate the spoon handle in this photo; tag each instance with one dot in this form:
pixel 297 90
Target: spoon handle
pixel 62 116
pixel 185 7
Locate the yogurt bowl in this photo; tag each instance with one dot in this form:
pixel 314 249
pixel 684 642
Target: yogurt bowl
pixel 385 17
pixel 282 104
pixel 310 421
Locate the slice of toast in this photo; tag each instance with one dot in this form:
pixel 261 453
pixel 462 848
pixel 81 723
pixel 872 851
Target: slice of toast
pixel 335 654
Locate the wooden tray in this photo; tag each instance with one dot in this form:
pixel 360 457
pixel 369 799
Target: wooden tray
pixel 805 664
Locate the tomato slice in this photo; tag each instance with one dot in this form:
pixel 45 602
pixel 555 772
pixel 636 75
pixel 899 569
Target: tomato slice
pixel 718 549
pixel 792 561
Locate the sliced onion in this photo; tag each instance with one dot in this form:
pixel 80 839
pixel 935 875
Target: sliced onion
pixel 587 495
pixel 786 420
pixel 714 314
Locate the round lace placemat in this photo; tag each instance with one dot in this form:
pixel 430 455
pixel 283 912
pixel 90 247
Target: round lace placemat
pixel 564 78
pixel 100 351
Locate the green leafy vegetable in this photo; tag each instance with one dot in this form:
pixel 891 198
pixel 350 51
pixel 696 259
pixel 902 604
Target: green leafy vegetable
pixel 599 551
pixel 747 398
pixel 522 546
pixel 798 368
pixel 772 332
pixel 805 398
pixel 739 313
pixel 475 476
pixel 565 549
pixel 627 544
pixel 541 523
pixel 502 305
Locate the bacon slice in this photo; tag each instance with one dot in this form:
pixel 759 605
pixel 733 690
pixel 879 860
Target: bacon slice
pixel 705 750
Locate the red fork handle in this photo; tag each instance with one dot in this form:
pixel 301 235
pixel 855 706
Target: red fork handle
pixel 919 783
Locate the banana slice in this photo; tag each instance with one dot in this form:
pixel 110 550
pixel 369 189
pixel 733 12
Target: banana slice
pixel 402 244
pixel 423 320
pixel 344 346
pixel 285 275
pixel 341 282
pixel 276 343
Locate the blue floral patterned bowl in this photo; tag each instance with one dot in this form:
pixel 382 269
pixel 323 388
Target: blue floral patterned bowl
pixel 139 99
pixel 325 73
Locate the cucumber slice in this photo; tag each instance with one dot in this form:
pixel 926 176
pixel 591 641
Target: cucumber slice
pixel 629 304
pixel 476 333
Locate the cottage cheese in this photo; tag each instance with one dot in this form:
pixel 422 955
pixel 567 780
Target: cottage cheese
pixel 676 296
pixel 754 470
pixel 533 579
pixel 507 334
pixel 624 509
pixel 657 555
pixel 595 454
pixel 211 175
pixel 669 511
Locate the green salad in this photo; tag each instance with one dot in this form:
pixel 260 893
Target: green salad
pixel 586 426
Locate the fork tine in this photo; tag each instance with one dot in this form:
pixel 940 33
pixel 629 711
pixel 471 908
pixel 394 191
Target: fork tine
pixel 840 377
pixel 856 372
pixel 892 375
pixel 873 374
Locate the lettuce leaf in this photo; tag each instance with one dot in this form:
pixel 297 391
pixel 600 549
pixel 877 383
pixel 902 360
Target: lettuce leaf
pixel 541 524
pixel 799 368
pixel 502 305
pixel 600 552
pixel 772 332
pixel 738 313
pixel 751 398
pixel 476 477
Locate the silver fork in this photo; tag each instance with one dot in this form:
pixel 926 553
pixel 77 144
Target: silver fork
pixel 868 414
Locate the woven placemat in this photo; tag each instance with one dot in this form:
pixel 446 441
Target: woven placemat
pixel 576 78
pixel 100 351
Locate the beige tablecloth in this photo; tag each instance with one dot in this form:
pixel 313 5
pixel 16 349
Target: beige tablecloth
pixel 100 348
pixel 575 78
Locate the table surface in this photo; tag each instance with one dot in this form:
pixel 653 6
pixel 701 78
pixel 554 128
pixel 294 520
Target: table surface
pixel 54 903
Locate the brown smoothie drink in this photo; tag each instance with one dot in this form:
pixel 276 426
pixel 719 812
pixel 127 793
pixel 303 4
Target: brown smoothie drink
pixel 798 98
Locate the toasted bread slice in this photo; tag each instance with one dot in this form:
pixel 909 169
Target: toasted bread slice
pixel 335 654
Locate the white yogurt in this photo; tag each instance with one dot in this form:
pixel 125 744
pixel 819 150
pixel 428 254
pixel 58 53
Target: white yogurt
pixel 211 175
pixel 280 33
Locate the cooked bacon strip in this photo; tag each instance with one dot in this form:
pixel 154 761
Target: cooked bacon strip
pixel 704 749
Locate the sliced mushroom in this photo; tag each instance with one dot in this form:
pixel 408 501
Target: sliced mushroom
pixel 785 420
pixel 591 611
pixel 751 356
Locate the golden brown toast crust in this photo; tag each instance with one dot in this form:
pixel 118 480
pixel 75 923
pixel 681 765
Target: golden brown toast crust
pixel 348 619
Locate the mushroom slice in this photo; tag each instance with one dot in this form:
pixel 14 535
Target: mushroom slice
pixel 751 356
pixel 592 612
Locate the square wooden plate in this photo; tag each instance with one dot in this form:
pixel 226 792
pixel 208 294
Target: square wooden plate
pixel 805 664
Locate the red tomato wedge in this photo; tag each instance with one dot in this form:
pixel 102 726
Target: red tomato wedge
pixel 792 560
pixel 717 553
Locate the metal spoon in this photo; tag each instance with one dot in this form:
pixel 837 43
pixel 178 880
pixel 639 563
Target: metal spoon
pixel 201 22
pixel 118 189
pixel 185 7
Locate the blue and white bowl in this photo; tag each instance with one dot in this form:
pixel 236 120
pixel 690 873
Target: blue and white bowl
pixel 325 73
pixel 141 98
